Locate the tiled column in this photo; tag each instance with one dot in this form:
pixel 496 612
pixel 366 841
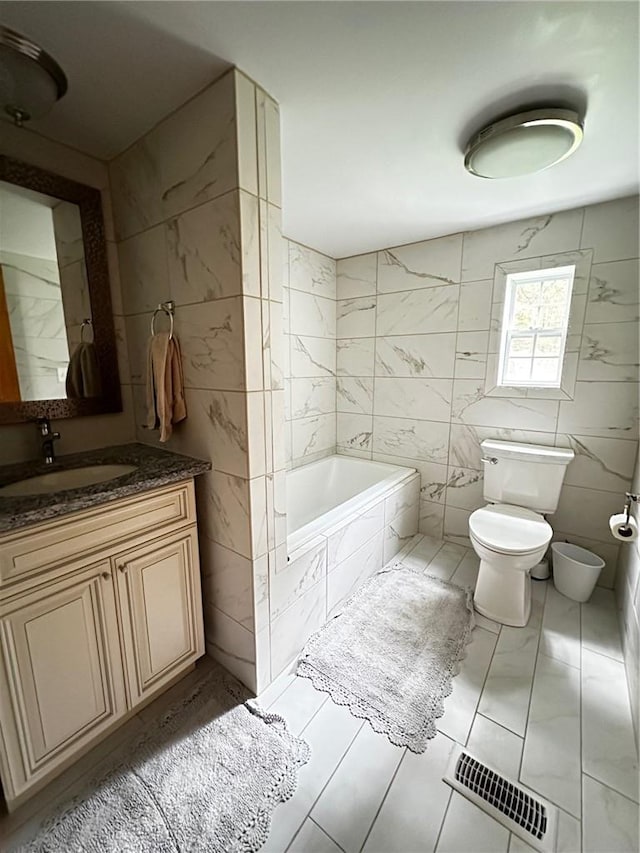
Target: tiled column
pixel 197 208
pixel 260 216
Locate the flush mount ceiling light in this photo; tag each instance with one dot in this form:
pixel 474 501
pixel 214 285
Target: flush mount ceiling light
pixel 31 81
pixel 523 143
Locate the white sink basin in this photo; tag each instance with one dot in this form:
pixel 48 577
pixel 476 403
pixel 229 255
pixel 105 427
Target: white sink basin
pixel 59 481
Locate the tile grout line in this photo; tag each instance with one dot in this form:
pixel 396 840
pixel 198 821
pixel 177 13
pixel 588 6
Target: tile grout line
pixel 375 357
pixel 280 694
pixel 384 797
pixel 315 713
pixel 444 818
pixel 315 823
pixel 482 689
pixel 533 678
pixel 609 788
pixel 500 725
pixel 598 652
pixel 432 559
pixel 455 366
pixel 557 660
pixel 561 809
pixel 324 787
pixel 295 835
pixel 320 828
pixel 162 223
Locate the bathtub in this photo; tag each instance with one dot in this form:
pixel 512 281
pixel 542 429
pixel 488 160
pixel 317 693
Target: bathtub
pixel 329 490
pixel 346 518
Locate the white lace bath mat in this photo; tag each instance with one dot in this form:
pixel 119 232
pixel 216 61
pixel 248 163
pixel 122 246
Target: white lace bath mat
pixel 205 777
pixel 391 653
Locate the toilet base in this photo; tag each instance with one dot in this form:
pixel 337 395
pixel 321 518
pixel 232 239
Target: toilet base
pixel 503 595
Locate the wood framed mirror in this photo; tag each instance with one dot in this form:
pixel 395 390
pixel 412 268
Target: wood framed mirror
pixel 57 339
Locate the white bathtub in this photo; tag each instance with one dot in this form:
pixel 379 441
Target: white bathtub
pixel 325 492
pixel 346 518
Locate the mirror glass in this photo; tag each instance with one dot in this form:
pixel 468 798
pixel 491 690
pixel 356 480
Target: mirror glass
pixel 45 309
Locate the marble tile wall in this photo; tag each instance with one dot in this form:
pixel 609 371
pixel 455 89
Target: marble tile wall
pixel 628 598
pixel 309 324
pixel 197 210
pixel 21 442
pixel 34 302
pixel 413 334
pixel 76 301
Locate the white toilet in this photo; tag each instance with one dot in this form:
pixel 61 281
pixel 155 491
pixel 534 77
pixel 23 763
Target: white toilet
pixel 510 535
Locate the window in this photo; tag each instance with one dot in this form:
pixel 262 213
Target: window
pixel 534 327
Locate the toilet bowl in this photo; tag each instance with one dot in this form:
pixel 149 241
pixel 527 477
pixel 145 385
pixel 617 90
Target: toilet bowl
pixel 521 483
pixel 510 541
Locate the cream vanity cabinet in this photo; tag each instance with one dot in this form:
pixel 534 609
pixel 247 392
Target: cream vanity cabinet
pixel 99 610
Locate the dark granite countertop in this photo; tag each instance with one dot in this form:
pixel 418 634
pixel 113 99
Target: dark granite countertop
pixel 155 468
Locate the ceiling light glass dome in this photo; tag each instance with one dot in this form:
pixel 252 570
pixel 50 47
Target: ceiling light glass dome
pixel 31 81
pixel 524 143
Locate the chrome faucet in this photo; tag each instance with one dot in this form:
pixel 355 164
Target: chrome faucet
pixel 44 426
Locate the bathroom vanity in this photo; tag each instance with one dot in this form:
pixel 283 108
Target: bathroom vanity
pixel 100 606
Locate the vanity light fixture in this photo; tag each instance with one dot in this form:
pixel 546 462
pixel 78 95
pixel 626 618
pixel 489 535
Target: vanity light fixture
pixel 31 81
pixel 523 143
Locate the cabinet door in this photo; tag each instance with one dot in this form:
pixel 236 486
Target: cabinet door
pixel 61 679
pixel 161 611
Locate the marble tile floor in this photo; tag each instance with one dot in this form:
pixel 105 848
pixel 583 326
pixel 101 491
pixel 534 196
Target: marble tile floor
pixel 547 704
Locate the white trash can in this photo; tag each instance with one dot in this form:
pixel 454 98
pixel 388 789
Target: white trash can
pixel 575 570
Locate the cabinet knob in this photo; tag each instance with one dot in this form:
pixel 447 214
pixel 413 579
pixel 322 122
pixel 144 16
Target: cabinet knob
pixel 106 576
pixel 122 567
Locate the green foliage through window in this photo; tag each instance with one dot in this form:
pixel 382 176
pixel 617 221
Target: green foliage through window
pixel 534 327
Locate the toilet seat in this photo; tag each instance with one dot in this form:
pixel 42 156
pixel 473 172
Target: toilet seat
pixel 509 529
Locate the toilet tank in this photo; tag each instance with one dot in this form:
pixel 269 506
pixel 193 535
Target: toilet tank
pixel 527 475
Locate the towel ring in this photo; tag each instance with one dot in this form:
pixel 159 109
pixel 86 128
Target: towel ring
pixel 86 322
pixel 165 308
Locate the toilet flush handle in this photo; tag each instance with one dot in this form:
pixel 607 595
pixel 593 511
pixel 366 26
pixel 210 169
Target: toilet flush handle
pixel 490 460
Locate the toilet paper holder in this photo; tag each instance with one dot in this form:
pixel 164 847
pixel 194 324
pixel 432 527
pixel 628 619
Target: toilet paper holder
pixel 629 499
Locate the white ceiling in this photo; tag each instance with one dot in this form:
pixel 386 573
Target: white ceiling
pixel 377 98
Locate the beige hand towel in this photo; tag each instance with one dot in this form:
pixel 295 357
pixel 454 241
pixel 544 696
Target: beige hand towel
pixel 165 385
pixel 83 373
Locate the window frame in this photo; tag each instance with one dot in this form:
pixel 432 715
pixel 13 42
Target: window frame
pixel 508 333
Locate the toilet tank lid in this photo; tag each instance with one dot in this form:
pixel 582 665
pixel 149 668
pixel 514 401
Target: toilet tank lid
pixel 527 452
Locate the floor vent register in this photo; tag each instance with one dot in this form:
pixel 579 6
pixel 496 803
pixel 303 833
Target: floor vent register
pixel 527 815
